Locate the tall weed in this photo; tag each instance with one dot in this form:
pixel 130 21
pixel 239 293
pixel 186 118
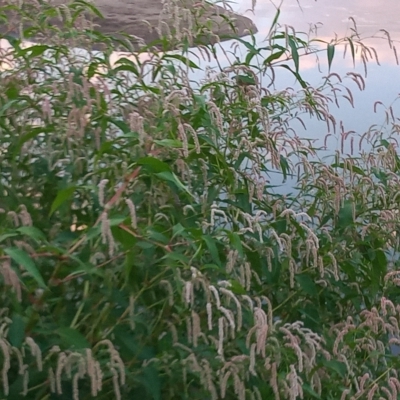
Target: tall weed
pixel 144 248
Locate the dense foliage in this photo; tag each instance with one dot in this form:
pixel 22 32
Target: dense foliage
pixel 145 250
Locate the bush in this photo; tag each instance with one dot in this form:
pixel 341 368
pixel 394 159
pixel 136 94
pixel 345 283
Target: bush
pixel 145 249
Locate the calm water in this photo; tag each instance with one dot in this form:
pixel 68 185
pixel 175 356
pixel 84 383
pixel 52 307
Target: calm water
pixel 332 18
pixel 382 82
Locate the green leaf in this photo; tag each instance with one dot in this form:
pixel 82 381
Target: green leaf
pixel 171 177
pixel 32 232
pixel 336 366
pixel 211 267
pixel 378 270
pixel 236 287
pixel 153 164
pixel 212 247
pixel 12 93
pixel 252 50
pixel 14 41
pixel 32 133
pixel 274 21
pixel 124 128
pixel 144 245
pixel 345 215
pixel 245 80
pixel 90 6
pixel 115 221
pixel 62 196
pixel 158 237
pixel 183 59
pixel 35 51
pixel 303 84
pixel 311 211
pixel 284 166
pixel 182 258
pixel 331 53
pixel 380 260
pixel 177 230
pixel 7 106
pixel 131 348
pixel 273 57
pixel 295 54
pixel 7 235
pixel 92 69
pixel 16 332
pixel 169 143
pixel 353 168
pixel 306 284
pixel 152 381
pixel 72 338
pixel 353 53
pixel 242 200
pixel 236 242
pixel 124 64
pixel 308 389
pixel 23 258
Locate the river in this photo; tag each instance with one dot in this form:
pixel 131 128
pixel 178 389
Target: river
pixel 333 20
pixel 382 81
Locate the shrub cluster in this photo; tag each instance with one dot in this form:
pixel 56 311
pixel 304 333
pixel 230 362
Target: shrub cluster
pixel 145 250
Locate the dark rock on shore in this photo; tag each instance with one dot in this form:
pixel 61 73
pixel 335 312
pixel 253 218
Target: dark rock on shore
pixel 147 19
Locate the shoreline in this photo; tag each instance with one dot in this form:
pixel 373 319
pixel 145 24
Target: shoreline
pixel 143 20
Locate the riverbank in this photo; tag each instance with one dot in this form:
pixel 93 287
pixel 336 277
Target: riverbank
pixel 148 19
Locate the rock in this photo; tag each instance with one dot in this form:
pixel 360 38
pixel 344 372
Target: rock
pixel 145 19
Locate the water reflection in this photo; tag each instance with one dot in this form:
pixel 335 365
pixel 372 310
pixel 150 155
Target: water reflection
pixel 370 15
pixel 333 20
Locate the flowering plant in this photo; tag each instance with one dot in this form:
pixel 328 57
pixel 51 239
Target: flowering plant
pixel 144 249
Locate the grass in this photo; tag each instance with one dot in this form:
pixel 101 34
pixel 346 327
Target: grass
pixel 144 251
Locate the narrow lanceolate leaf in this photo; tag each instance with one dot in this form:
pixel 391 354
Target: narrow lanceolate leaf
pixel 331 53
pixel 16 332
pixel 22 258
pixel 181 58
pixel 353 53
pixel 296 74
pixel 71 337
pixel 275 21
pixel 274 56
pixel 295 54
pixel 62 196
pixel 32 232
pixel 171 177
